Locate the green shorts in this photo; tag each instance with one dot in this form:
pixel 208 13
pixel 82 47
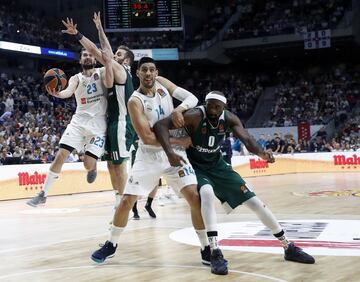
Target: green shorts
pixel 120 136
pixel 228 185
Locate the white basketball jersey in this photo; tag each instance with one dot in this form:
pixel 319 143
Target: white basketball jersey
pixel 157 107
pixel 91 95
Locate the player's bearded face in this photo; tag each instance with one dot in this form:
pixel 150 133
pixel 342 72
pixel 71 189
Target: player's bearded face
pixel 214 109
pixel 87 61
pixel 120 56
pixel 147 74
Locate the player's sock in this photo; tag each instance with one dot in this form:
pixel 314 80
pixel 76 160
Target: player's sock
pixel 115 234
pixel 135 211
pixel 202 238
pixel 213 239
pixel 49 181
pixel 282 238
pixel 149 201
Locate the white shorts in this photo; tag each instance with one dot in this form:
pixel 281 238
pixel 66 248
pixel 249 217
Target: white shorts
pixel 150 165
pixel 86 134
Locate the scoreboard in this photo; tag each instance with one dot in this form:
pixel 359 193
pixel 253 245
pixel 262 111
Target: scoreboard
pixel 142 15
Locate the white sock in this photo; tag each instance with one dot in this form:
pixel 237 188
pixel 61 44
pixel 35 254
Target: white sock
pixel 202 238
pixel 117 199
pixel 264 214
pixel 115 234
pixel 49 181
pixel 208 211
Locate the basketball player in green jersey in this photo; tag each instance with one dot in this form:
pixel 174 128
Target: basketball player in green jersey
pixel 119 139
pixel 207 126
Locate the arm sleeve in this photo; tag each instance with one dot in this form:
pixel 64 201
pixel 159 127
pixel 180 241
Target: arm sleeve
pixel 188 99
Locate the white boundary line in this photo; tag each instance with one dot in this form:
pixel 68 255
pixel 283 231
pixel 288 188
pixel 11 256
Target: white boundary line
pixel 137 265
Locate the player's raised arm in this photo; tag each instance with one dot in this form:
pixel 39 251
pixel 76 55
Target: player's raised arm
pixel 68 91
pixel 104 42
pixel 90 46
pixel 107 71
pixel 140 123
pixel 188 100
pixel 249 142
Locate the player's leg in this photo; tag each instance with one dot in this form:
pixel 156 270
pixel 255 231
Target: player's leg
pixel 71 139
pixel 90 160
pixel 232 191
pixel 292 252
pixel 185 177
pixel 119 223
pixel 142 178
pixel 95 138
pixel 118 176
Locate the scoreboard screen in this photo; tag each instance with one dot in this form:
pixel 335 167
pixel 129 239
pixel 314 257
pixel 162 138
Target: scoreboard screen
pixel 142 15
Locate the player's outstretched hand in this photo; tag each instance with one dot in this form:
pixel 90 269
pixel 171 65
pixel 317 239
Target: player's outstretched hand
pixel 52 91
pixel 97 20
pixel 267 156
pixel 175 159
pixel 71 28
pixel 177 119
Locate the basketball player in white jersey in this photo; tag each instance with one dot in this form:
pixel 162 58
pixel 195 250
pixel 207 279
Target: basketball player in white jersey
pixel 87 128
pixel 120 133
pixel 153 101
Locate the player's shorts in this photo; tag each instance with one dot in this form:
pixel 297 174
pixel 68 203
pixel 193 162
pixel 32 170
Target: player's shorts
pixel 228 185
pixel 150 165
pixel 119 138
pixel 86 134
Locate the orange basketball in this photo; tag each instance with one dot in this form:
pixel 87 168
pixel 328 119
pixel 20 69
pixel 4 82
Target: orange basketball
pixel 55 79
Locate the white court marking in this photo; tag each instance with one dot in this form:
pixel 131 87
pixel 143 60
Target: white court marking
pixel 135 265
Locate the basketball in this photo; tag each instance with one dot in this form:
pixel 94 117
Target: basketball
pixel 55 79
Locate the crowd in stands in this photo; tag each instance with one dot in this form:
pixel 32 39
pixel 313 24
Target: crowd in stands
pixel 347 141
pixel 31 122
pixel 27 25
pixel 314 97
pixel 23 24
pixel 242 90
pixel 266 18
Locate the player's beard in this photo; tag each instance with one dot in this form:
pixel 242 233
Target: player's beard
pixel 88 66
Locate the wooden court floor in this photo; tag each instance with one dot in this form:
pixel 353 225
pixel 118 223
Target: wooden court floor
pixel 54 242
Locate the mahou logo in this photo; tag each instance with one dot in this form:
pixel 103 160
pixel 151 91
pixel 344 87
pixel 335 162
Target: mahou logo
pixel 30 180
pixel 258 164
pixel 347 162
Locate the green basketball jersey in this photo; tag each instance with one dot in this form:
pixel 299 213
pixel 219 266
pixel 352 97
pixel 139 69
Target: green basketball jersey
pixel 118 98
pixel 207 140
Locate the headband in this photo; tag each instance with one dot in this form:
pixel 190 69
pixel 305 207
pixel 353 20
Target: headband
pixel 216 97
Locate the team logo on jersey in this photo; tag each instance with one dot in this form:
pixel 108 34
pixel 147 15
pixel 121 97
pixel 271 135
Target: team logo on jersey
pixel 83 101
pixel 161 92
pixel 96 76
pixel 221 128
pixel 203 130
pixel 244 189
pixel 147 106
pixel 181 173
